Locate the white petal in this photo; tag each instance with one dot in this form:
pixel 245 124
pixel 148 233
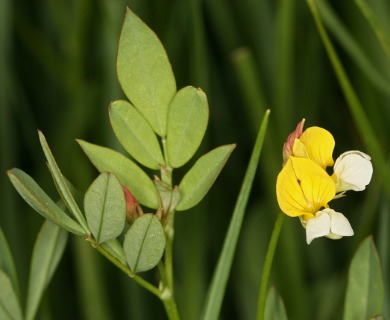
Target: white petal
pixel 340 225
pixel 353 170
pixel 318 226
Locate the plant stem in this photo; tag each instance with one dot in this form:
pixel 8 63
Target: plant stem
pixel 169 231
pixel 170 305
pixel 167 296
pixel 267 266
pixel 147 285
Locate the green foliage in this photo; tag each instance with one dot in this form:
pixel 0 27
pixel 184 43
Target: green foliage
pixel 186 125
pixel 9 304
pixel 7 262
pixel 47 253
pixel 247 56
pixel 201 176
pixel 144 72
pixel 144 243
pixel 61 184
pixel 365 289
pixel 135 134
pixel 40 201
pixel 107 160
pixel 105 208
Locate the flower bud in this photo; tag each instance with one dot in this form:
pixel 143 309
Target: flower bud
pixel 288 145
pixel 133 209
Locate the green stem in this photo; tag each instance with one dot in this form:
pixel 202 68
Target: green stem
pixel 170 305
pixel 169 255
pixel 167 296
pixel 267 266
pixel 147 285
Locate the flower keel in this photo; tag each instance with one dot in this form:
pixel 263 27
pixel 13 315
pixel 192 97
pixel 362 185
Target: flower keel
pixel 328 223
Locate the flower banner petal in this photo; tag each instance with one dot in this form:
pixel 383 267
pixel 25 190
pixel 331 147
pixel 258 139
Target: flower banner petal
pixel 319 145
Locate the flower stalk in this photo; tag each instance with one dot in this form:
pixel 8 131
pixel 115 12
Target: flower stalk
pixel 269 258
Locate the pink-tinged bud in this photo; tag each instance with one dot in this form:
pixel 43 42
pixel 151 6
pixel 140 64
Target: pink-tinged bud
pixel 288 145
pixel 133 209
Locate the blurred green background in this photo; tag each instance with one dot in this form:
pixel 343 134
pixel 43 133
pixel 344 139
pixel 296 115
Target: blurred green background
pixel 57 74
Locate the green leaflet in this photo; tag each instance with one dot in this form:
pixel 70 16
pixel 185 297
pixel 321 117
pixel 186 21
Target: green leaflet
pixel 187 122
pixel 61 184
pixel 135 134
pixel 128 173
pixel 32 193
pixel 144 72
pixel 9 303
pixel 199 179
pixel 7 262
pixel 365 289
pixel 144 243
pixel 105 207
pixel 47 253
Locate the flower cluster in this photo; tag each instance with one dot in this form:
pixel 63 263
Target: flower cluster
pixel 304 188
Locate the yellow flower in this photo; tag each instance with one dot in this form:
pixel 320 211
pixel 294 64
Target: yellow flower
pixel 317 144
pixel 303 188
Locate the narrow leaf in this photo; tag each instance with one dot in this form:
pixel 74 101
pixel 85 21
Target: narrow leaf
pixel 41 202
pixel 199 179
pixel 105 207
pixel 144 71
pixel 47 253
pixel 274 306
pixel 9 304
pixel 365 289
pixel 357 110
pixel 377 27
pixel 128 173
pixel 61 184
pixel 221 273
pixel 144 243
pixel 135 134
pixel 187 122
pixel 7 262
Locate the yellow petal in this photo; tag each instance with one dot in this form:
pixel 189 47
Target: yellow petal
pixel 303 188
pixel 319 144
pixel 299 149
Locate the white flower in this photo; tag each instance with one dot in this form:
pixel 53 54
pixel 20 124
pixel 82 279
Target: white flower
pixel 352 171
pixel 328 223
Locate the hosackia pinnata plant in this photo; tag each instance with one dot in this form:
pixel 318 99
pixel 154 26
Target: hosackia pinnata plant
pixel 127 214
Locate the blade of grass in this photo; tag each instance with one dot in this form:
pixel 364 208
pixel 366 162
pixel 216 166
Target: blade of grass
pixel 352 47
pixel 221 273
pixel 249 83
pixel 381 35
pixel 362 123
pixel 283 63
